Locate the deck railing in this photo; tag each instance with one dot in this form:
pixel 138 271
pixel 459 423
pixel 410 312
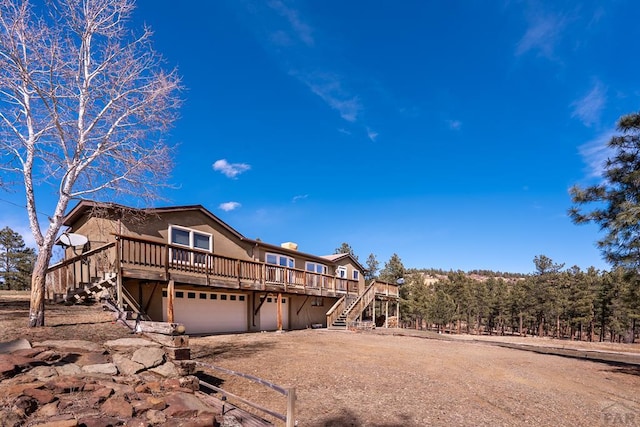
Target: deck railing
pixel 139 253
pixel 75 272
pixel 170 258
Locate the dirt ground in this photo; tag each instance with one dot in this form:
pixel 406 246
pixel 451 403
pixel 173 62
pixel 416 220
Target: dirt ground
pixel 379 379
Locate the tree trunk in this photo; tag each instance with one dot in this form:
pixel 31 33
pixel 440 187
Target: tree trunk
pixel 520 327
pixel 38 280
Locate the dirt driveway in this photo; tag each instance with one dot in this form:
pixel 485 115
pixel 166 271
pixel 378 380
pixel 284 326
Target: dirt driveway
pixel 368 379
pixel 371 379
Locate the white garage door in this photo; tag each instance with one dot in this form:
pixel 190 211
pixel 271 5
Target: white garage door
pixel 269 314
pixel 208 312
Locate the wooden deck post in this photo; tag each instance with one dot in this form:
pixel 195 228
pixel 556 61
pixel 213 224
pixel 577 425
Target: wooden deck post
pixel 374 310
pixel 170 294
pixel 386 314
pixel 279 311
pixel 291 407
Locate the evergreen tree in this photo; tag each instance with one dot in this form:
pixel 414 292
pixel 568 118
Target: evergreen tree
pixel 16 260
pixel 616 200
pixel 393 270
pixel 346 248
pixel 372 267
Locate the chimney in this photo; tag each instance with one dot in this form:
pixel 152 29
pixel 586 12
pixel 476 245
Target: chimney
pixel 289 245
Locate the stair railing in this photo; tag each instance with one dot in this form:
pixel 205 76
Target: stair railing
pixel 335 311
pixel 73 273
pixel 363 300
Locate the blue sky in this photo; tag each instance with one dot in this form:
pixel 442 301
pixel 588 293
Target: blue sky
pixel 446 132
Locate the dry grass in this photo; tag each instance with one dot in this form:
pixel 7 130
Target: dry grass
pixel 375 379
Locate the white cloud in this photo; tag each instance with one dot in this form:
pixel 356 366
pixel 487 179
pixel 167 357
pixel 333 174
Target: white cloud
pixel 454 124
pixel 231 170
pixel 330 89
pixel 372 135
pixel 542 35
pixel 229 206
pixel 588 108
pixel 302 31
pixel 595 153
pixel 299 197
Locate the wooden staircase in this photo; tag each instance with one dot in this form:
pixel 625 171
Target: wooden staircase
pixel 131 309
pixel 353 309
pixel 91 290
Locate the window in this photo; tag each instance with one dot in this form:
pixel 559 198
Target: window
pixel 315 280
pixel 191 239
pixel 203 296
pixel 213 296
pixel 164 294
pixel 223 297
pixel 191 295
pixel 241 297
pixel 341 272
pixel 356 275
pixel 281 260
pixel 277 274
pixel 179 294
pixel 232 297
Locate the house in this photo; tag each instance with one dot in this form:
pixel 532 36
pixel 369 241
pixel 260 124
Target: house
pixel 183 264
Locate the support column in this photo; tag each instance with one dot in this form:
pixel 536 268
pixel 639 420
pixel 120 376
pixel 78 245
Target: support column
pixel 279 312
pixel 374 310
pixel 170 294
pixel 386 314
pixel 398 314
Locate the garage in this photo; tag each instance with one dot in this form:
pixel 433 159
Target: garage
pixel 208 312
pixel 269 313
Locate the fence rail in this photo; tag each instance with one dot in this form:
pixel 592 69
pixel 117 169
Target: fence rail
pixel 289 393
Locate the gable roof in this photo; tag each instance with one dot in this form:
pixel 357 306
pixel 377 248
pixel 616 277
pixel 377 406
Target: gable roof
pixel 85 206
pixel 338 257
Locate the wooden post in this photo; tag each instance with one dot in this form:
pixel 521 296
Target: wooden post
pixel 279 312
pixel 397 314
pixel 170 293
pixel 291 407
pixel 386 314
pixel 374 310
pixel 119 271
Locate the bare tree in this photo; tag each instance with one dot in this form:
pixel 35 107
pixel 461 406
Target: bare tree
pixel 84 103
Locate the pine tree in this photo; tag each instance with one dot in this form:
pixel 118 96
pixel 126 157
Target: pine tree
pixel 372 267
pixel 16 260
pixel 393 270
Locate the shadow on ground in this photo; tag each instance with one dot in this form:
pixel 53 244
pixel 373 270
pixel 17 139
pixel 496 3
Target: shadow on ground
pixel 349 419
pixel 228 350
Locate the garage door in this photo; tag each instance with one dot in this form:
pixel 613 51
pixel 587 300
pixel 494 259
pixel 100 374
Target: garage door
pixel 269 314
pixel 208 312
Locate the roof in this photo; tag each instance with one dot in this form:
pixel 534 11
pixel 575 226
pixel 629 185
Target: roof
pixel 86 205
pixel 338 257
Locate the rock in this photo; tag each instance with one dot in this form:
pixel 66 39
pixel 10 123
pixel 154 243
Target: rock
pixel 11 346
pixel 104 368
pixel 25 405
pixel 117 407
pixel 185 405
pixel 65 385
pixel 155 417
pixel 47 356
pixel 136 422
pixel 93 358
pixel 68 369
pixel 99 395
pixel 42 373
pixel 98 421
pixel 149 357
pixel 7 369
pixel 48 410
pixel 127 366
pixel 128 343
pixel 71 345
pixel 66 420
pixel 10 419
pixel 167 370
pixel 228 421
pixel 42 396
